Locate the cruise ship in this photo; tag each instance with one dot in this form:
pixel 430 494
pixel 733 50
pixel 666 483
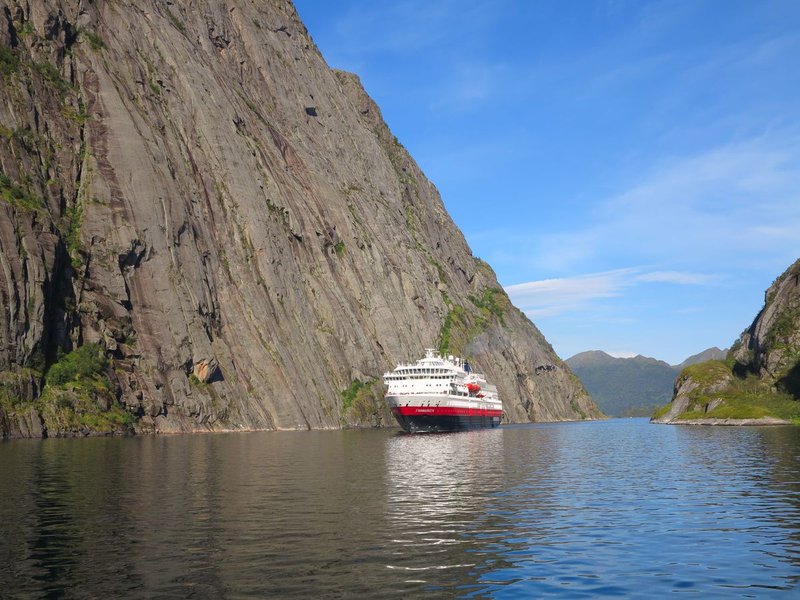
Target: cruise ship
pixel 441 393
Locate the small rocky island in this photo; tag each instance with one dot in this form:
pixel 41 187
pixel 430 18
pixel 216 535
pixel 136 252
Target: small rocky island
pixel 759 381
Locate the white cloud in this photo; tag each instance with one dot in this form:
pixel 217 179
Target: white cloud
pixel 550 297
pixel 736 205
pixel 676 277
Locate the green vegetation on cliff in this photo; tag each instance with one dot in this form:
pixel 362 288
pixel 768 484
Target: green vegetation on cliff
pixel 16 195
pixel 362 403
pixel 86 363
pixel 15 389
pixel 760 377
pixel 463 323
pixel 713 391
pixel 706 373
pixel 78 398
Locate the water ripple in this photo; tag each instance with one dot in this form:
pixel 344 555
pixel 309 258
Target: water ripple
pixel 619 508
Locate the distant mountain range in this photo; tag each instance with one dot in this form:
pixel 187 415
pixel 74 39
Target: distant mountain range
pixel 628 387
pixel 709 354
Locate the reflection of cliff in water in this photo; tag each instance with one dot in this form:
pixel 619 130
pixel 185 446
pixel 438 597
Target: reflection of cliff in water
pixel 599 509
pixel 54 528
pixel 272 514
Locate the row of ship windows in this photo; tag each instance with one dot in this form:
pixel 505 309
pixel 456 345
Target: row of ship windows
pixel 452 393
pixel 424 371
pixel 402 377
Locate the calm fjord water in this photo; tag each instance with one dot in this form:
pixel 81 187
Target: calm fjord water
pixel 617 508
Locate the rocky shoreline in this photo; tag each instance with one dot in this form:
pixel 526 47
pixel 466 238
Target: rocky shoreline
pixel 766 421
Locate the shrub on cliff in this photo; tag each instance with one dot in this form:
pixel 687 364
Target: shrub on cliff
pixel 79 398
pixel 82 363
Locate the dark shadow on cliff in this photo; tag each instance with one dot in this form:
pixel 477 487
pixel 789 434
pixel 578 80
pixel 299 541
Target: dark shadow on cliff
pixel 790 383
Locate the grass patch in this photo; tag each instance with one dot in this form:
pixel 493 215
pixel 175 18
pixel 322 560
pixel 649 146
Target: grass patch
pixel 339 248
pixel 15 390
pixel 279 212
pixel 351 393
pixel 78 116
pixel 706 373
pixel 454 316
pixel 661 411
pixel 195 381
pixel 9 63
pixel 482 266
pixel 78 397
pixel 226 264
pixel 746 397
pixel 26 29
pixel 784 327
pixel 74 218
pixel 51 75
pixel 748 404
pixel 176 22
pixel 114 418
pixel 742 398
pixel 439 269
pixel 95 41
pixel 362 402
pixel 494 301
pixel 460 325
pixel 577 409
pixel 14 194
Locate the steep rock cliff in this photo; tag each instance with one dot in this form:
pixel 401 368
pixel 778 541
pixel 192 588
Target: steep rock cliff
pixel 770 347
pixel 759 382
pixel 229 224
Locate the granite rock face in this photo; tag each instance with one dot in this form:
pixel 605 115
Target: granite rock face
pixel 188 183
pixel 770 347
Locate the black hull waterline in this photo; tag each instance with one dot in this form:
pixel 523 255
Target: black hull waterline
pixel 433 424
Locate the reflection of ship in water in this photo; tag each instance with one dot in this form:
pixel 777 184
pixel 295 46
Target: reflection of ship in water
pixel 438 490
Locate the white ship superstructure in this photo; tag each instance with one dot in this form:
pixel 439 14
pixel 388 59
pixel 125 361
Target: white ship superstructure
pixel 441 393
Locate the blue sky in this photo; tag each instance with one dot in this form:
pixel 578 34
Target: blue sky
pixel 630 169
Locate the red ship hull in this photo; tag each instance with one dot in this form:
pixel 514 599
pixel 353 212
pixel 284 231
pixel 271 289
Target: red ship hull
pixel 419 419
